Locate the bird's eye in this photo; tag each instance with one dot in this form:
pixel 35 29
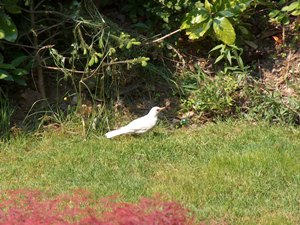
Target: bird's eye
pixel 157 110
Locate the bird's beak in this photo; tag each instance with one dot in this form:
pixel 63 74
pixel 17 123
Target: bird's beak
pixel 162 108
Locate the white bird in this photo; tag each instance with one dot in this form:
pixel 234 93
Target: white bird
pixel 139 125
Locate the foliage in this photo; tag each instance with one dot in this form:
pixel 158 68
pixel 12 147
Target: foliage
pixel 214 18
pixel 282 16
pixel 8 29
pixel 230 53
pixel 98 51
pixel 13 71
pixel 170 12
pixel 105 49
pixel 32 207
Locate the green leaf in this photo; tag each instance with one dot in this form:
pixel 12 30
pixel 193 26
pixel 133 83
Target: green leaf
pixel 207 5
pixel 291 7
pixel 96 59
pixel 17 61
pixel 240 62
pixel 251 44
pixel 285 20
pixel 224 30
pixel 239 8
pixel 7 66
pixel 296 12
pixel 141 26
pixel 216 48
pixel 8 29
pixel 12 8
pixel 100 55
pixel 238 59
pixel 20 72
pixel 144 63
pixel 201 16
pixel 136 43
pixel 101 44
pixel 244 30
pixel 4 74
pixel 129 45
pixel 195 17
pixel 219 58
pixel 274 13
pixel 229 57
pixel 225 13
pixel 199 30
pixel 91 61
pixel 185 25
pixel 281 2
pixel 112 51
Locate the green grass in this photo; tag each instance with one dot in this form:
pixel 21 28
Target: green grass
pixel 239 173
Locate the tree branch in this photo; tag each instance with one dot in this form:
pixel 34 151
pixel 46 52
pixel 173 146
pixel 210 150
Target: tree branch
pixel 39 70
pixel 168 35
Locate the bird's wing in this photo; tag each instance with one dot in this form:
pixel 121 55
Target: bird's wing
pixel 141 124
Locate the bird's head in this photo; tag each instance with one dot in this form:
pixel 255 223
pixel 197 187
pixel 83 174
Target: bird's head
pixel 156 110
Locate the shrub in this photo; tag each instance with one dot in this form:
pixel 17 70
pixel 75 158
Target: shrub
pixel 24 207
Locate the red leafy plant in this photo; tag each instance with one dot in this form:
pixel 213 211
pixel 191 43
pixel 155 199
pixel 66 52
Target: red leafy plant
pixel 28 207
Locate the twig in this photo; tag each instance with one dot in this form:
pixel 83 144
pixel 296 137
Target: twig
pixel 39 69
pixel 38 5
pixel 177 52
pixel 20 45
pixel 84 72
pixel 168 35
pixel 62 69
pixel 283 34
pixel 31 11
pixel 49 38
pixel 50 27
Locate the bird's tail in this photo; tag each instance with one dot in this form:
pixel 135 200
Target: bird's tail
pixel 114 133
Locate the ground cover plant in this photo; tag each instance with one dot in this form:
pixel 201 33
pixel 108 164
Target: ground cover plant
pixel 234 172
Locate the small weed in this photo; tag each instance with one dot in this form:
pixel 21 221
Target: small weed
pixel 213 97
pixel 238 95
pixel 270 105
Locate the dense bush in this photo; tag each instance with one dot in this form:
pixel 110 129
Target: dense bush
pixel 101 52
pixel 24 207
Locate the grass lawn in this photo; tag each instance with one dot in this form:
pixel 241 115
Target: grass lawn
pixel 239 173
